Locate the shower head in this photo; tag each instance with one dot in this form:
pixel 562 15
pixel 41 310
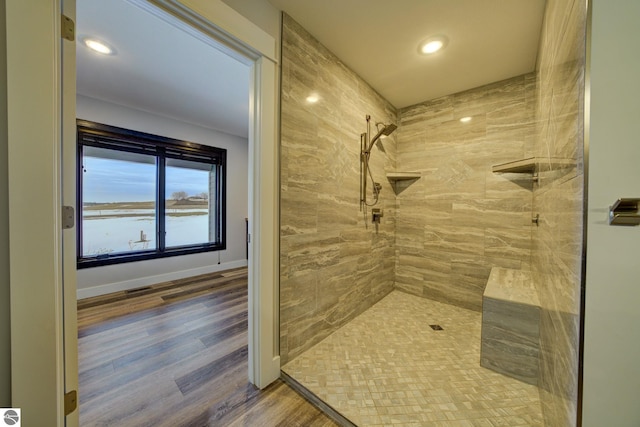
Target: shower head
pixel 386 131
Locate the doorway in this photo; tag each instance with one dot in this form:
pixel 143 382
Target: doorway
pixel 35 112
pixel 141 74
pixel 158 85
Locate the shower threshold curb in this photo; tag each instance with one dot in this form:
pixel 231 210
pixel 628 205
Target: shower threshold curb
pixel 316 401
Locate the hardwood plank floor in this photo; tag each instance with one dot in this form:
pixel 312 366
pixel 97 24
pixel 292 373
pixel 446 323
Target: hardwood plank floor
pixel 175 354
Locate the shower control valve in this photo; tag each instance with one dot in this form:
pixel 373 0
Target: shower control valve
pixel 376 214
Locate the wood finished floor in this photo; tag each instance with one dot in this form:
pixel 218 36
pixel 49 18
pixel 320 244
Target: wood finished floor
pixel 175 354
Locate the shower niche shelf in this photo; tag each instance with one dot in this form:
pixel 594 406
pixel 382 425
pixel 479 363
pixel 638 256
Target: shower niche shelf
pixel 532 165
pixel 402 176
pixel 401 180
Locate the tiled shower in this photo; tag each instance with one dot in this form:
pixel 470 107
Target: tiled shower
pixel 441 234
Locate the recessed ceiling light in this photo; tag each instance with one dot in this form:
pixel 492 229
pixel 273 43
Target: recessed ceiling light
pixel 98 46
pixel 432 45
pixel 312 99
pixel 465 119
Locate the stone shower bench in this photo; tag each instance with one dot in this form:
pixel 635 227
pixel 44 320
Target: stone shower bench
pixel 510 325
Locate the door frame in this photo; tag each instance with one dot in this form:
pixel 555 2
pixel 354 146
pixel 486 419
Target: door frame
pixel 34 101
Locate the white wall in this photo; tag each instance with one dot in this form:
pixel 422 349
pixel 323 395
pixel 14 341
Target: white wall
pixel 100 280
pixel 260 12
pixel 612 315
pixel 5 330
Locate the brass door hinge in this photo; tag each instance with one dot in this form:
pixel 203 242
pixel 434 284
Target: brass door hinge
pixel 68 28
pixel 70 402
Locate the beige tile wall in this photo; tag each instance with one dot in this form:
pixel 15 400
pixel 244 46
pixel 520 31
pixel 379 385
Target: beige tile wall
pixel 459 220
pixel 557 242
pixel 334 264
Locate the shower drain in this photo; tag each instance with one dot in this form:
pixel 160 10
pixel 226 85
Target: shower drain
pixel 436 327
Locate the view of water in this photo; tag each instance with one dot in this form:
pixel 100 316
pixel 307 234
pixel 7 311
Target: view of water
pixel 112 234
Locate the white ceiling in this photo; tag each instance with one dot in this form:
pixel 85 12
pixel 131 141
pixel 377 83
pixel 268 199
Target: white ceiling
pixel 489 40
pixel 164 70
pixel 159 68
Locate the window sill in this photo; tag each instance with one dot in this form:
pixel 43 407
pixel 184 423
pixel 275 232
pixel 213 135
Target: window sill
pixel 104 260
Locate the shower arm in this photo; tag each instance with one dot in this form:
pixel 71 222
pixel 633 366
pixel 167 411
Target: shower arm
pixel 373 141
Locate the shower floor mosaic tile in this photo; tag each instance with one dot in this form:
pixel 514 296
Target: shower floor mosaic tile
pixel 388 367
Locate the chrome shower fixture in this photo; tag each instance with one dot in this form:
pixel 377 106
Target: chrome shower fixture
pixel 386 131
pixel 366 144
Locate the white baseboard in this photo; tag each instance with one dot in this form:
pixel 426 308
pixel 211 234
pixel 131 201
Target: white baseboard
pixel 152 280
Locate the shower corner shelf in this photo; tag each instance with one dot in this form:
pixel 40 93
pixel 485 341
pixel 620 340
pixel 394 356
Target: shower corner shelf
pixel 406 178
pixel 402 176
pixel 527 165
pixel 533 165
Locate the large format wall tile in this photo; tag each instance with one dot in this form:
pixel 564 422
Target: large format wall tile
pixel 460 220
pixel 334 264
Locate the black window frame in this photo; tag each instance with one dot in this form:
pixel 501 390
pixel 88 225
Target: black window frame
pixel 119 139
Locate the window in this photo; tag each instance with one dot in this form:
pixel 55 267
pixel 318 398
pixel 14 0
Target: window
pixel 145 196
